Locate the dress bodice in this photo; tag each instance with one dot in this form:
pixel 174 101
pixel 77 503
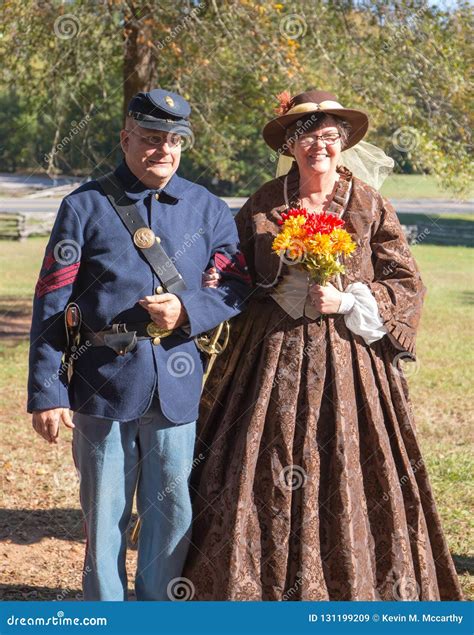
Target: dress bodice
pixel 292 294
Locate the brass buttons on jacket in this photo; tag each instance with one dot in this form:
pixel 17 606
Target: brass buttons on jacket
pixel 144 238
pixel 157 196
pixel 159 290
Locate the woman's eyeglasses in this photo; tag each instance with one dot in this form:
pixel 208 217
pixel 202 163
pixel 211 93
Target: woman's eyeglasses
pixel 305 141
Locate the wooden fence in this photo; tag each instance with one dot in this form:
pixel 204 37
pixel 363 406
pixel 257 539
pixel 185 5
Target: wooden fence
pixel 19 226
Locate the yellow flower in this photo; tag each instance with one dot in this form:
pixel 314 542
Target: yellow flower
pixel 320 244
pixel 342 242
pixel 295 224
pixel 292 237
pixel 282 241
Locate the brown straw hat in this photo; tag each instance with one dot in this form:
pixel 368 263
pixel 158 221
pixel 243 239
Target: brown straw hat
pixel 294 109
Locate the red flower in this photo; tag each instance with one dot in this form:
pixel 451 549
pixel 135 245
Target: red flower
pixel 323 223
pixel 315 223
pixel 294 211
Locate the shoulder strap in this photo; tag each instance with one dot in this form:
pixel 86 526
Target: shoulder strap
pixel 155 255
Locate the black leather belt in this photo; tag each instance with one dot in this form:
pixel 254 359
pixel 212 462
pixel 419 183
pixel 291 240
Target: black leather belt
pixel 144 238
pixel 123 337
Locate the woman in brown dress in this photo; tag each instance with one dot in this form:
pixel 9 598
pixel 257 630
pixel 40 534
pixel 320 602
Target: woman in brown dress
pixel 310 484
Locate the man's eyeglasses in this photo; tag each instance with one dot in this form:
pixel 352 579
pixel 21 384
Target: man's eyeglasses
pixel 305 141
pixel 172 139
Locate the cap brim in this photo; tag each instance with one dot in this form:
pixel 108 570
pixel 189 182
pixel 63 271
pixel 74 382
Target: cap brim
pixel 166 126
pixel 274 132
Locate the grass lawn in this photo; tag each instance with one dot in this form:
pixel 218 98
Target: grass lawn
pixel 409 186
pixel 40 486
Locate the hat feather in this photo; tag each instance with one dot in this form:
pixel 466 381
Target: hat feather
pixel 284 105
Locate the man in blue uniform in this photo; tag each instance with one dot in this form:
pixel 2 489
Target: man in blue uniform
pixel 132 265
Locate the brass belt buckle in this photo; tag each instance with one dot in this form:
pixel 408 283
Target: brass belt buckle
pixel 156 333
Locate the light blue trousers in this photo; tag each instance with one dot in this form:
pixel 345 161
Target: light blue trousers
pixel 114 458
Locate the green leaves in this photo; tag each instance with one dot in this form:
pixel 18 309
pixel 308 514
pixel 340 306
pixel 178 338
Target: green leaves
pixel 406 63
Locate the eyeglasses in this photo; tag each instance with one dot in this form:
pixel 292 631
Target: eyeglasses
pixel 172 139
pixel 306 141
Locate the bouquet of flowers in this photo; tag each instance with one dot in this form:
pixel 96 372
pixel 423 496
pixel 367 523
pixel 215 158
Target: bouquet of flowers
pixel 315 241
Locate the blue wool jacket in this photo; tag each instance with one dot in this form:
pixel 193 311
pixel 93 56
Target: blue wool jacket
pixel 91 260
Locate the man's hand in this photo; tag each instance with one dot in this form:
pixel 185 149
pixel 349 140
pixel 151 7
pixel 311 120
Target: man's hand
pixel 46 422
pixel 325 299
pixel 211 278
pixel 166 310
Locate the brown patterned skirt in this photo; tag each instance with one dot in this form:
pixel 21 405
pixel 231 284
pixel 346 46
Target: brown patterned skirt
pixel 312 485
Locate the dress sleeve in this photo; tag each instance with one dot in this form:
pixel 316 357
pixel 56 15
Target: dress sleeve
pixel 246 243
pixel 363 317
pixel 397 286
pixel 207 307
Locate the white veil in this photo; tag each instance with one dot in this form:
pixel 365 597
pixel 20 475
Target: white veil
pixel 366 161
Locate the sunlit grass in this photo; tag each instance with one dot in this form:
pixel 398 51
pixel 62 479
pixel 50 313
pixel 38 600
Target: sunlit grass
pixel 440 388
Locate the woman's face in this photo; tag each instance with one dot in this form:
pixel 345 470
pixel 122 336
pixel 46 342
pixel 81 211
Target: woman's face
pixel 313 154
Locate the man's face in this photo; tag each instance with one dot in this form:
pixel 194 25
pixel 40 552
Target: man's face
pixel 152 155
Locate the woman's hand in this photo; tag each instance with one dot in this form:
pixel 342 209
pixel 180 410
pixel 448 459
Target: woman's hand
pixel 325 299
pixel 211 277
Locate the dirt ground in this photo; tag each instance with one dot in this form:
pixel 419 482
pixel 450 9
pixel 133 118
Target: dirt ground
pixel 42 540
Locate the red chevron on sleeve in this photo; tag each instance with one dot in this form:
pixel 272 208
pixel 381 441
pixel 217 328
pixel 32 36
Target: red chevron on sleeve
pixel 235 266
pixel 48 261
pixel 57 279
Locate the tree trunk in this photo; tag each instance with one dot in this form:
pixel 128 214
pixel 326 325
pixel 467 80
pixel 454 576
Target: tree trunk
pixel 138 68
